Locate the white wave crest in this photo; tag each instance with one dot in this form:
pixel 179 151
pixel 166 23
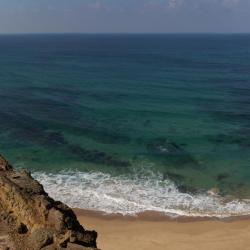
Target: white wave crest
pixel 129 196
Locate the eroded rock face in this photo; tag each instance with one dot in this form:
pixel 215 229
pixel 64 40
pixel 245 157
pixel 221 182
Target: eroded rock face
pixel 34 220
pixel 4 165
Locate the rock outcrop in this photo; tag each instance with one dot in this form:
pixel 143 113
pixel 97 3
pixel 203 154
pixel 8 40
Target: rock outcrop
pixel 31 220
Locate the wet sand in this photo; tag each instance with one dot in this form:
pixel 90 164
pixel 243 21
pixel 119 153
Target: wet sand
pixel 151 231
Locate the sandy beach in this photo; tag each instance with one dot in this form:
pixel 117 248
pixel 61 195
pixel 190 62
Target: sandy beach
pixel 152 232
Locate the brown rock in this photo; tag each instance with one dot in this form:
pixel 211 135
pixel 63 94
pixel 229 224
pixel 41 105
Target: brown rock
pixel 51 247
pixel 36 219
pixel 55 219
pixel 72 246
pixel 4 165
pixel 40 238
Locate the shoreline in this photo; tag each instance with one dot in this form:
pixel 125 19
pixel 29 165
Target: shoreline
pixel 149 231
pixel 155 216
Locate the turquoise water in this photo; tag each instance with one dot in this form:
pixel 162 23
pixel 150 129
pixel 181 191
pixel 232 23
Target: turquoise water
pixel 157 111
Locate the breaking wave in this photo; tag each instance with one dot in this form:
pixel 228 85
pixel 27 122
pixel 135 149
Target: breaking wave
pixel 130 196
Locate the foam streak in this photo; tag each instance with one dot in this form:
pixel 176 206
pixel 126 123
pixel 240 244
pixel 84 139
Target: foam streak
pixel 103 192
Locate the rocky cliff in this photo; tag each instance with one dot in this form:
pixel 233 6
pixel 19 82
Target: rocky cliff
pixel 31 220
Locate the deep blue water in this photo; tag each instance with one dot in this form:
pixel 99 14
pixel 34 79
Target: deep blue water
pixel 175 106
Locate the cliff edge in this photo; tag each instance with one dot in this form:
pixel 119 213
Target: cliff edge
pixel 31 220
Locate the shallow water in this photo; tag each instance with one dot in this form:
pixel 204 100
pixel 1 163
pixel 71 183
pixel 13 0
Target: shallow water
pixel 130 106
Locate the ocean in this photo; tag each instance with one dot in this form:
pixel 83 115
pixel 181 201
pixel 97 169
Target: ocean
pixel 126 123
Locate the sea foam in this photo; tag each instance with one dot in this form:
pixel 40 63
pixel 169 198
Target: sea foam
pixel 130 196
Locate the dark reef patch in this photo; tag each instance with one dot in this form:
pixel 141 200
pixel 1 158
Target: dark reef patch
pixel 240 137
pixel 55 138
pixel 222 176
pixel 95 156
pixel 33 131
pixel 105 137
pixel 172 153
